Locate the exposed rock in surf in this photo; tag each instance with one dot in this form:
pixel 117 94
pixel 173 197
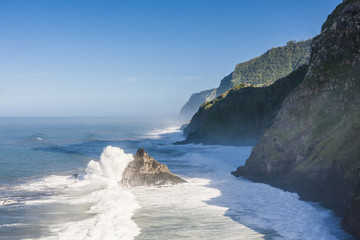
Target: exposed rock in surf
pixel 146 171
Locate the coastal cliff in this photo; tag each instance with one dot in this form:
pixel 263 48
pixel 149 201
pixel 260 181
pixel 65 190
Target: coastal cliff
pixel 313 146
pixel 195 101
pixel 264 70
pixel 241 115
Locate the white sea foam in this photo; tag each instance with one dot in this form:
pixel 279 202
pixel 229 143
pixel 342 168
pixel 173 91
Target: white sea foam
pixel 217 203
pixel 181 212
pixel 210 205
pixel 109 207
pixel 14 225
pixel 265 209
pixel 46 184
pixel 157 133
pixel 4 202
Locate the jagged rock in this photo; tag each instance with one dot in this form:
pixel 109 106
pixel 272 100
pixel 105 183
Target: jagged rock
pixel 146 171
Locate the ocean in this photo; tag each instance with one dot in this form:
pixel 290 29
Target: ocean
pixel 41 199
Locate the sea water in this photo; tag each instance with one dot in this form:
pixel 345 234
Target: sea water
pixel 59 180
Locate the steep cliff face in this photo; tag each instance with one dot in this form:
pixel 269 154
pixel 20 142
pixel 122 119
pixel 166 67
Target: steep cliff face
pixel 264 70
pixel 313 147
pixel 272 65
pixel 225 84
pixel 195 101
pixel 240 116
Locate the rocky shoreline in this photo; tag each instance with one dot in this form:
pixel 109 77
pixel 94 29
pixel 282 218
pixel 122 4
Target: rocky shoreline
pixel 313 147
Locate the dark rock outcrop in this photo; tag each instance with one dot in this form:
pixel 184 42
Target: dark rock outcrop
pixel 146 171
pixel 240 116
pixel 313 147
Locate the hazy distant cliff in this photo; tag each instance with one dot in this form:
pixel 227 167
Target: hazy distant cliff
pixel 241 115
pixel 313 147
pixel 195 101
pixel 266 69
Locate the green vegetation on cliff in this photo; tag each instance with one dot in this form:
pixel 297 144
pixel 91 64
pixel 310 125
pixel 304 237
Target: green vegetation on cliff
pixel 272 65
pixel 241 115
pixel 313 147
pixel 263 70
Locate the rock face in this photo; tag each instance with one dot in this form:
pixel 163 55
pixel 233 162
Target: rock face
pixel 313 147
pixel 264 70
pixel 240 116
pixel 274 64
pixel 146 171
pixel 195 101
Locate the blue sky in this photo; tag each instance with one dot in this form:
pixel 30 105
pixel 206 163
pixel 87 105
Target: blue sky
pixel 135 58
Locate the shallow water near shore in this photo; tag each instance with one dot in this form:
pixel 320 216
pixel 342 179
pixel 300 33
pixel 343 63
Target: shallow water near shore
pixel 39 198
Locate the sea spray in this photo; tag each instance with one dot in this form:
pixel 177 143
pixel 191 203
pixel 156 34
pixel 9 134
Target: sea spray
pixel 111 206
pixel 113 162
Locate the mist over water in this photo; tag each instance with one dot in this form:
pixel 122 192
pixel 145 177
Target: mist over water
pixel 43 200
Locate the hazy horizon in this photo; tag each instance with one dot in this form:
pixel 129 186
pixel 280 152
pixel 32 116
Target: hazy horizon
pixel 135 58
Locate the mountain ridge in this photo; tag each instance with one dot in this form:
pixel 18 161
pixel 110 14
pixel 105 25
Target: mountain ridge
pixel 242 114
pixel 263 70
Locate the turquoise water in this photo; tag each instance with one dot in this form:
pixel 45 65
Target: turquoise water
pixel 40 200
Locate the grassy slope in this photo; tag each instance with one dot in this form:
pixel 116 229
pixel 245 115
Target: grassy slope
pixel 272 65
pixel 264 70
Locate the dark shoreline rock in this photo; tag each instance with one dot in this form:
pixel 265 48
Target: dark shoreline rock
pixel 146 171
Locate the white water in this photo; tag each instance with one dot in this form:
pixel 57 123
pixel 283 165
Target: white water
pixel 158 133
pixel 108 206
pixel 211 205
pixel 218 205
pixel 181 212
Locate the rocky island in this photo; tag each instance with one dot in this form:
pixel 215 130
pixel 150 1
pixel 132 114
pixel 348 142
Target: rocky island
pixel 146 171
